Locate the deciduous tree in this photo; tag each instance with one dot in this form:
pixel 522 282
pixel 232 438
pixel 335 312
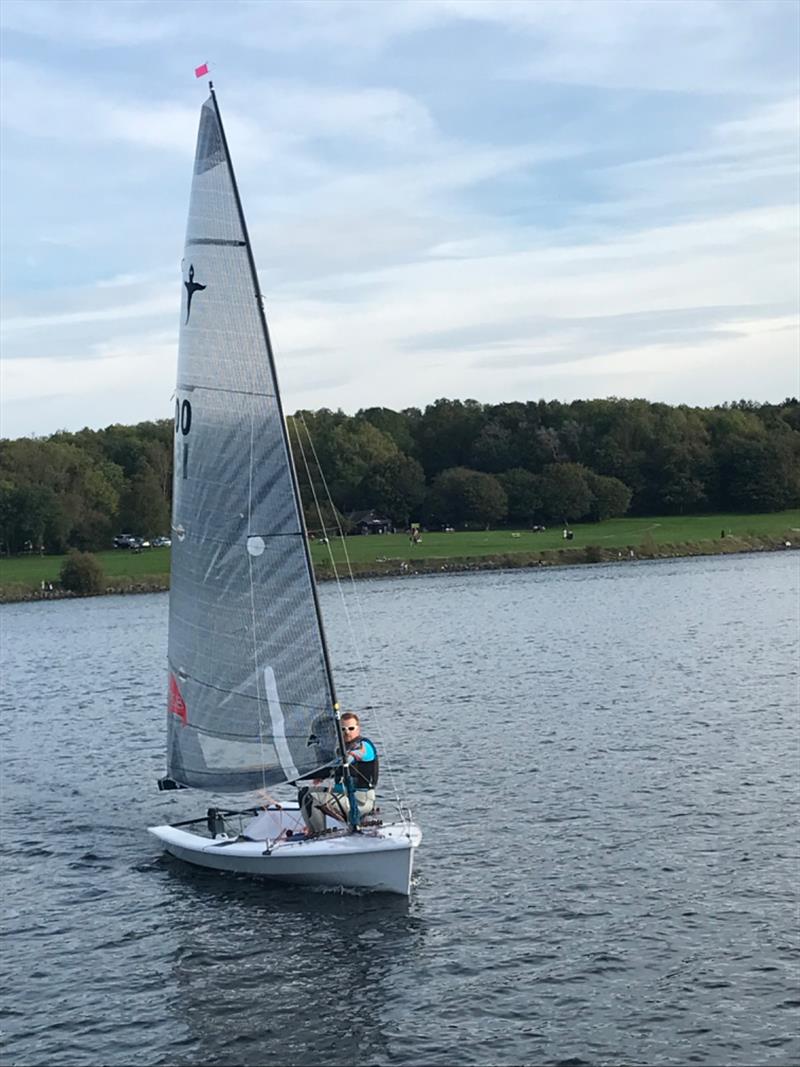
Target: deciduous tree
pixel 611 498
pixel 462 496
pixel 566 496
pixel 524 493
pixel 395 487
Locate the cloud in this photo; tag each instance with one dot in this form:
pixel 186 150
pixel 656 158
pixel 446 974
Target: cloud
pixel 142 309
pixel 750 160
pixel 45 106
pixel 717 371
pixel 596 334
pixel 371 114
pixel 298 26
pixel 122 281
pixel 126 380
pixel 702 45
pixel 552 309
pixel 105 298
pixel 98 24
pixel 721 47
pixel 448 198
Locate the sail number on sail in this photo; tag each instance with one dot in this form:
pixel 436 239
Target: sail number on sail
pixel 183 416
pixel 183 423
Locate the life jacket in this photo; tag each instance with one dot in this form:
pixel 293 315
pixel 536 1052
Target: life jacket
pixel 364 772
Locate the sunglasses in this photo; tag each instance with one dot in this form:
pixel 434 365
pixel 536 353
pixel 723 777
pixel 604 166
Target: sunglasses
pixel 350 727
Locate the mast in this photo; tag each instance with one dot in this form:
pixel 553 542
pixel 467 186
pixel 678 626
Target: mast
pixel 285 433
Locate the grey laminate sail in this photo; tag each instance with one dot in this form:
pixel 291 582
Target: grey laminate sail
pixel 250 697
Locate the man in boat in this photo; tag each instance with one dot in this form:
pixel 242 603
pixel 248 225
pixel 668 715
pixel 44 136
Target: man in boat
pixel 362 760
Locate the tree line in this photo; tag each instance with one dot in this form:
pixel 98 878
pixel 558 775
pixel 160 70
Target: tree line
pixel 455 463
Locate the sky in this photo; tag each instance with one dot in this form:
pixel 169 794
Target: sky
pixel 446 198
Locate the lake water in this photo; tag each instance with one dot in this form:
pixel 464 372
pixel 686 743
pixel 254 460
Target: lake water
pixel 604 761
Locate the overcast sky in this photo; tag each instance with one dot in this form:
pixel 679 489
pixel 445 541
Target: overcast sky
pixel 496 200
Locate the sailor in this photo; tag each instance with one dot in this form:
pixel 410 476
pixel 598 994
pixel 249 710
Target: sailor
pixel 362 760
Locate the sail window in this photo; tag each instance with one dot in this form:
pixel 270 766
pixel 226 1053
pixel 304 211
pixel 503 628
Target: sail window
pixel 255 545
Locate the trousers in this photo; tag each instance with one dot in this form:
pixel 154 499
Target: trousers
pixel 315 804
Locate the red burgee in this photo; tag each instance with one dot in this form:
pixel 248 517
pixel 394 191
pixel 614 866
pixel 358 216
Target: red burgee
pixel 200 72
pixel 176 702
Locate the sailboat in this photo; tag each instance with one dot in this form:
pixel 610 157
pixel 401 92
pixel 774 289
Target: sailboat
pixel 251 701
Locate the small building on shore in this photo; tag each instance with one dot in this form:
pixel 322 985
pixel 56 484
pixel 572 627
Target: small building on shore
pixel 370 522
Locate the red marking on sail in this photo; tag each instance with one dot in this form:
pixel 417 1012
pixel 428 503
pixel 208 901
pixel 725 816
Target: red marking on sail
pixel 176 703
pixel 200 72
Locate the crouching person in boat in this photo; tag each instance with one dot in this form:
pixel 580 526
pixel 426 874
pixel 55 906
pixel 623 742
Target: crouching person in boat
pixel 332 799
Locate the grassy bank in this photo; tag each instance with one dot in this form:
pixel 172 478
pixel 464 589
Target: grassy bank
pixel 617 539
pixel 613 534
pixel 126 572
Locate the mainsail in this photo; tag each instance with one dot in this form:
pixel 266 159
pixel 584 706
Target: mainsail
pixel 251 701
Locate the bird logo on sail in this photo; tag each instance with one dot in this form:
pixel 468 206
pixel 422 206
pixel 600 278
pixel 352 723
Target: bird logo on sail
pixel 192 287
pixel 175 703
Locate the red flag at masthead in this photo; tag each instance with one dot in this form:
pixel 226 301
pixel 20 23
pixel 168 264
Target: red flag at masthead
pixel 200 72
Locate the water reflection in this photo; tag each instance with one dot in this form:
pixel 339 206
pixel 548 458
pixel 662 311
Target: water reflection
pixel 267 973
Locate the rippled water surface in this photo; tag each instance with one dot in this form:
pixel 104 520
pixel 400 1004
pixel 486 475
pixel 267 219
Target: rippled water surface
pixel 604 761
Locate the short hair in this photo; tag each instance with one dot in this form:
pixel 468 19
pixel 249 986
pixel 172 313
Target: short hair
pixel 350 715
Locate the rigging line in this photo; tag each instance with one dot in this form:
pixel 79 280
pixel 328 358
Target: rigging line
pixel 390 773
pixel 317 507
pixel 357 648
pixel 383 733
pixel 330 553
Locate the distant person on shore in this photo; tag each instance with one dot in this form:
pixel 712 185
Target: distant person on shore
pixel 332 799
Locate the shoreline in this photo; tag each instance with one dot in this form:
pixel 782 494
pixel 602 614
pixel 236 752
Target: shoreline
pixel 397 568
pixel 567 557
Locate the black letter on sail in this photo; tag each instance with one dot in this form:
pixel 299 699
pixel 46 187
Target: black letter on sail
pixel 192 287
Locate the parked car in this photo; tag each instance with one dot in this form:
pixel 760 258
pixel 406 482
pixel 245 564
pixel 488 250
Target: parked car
pixel 161 542
pixel 124 540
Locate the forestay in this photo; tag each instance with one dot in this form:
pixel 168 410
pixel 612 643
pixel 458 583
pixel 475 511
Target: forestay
pixel 250 698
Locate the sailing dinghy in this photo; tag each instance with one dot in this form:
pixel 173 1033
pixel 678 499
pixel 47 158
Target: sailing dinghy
pixel 251 698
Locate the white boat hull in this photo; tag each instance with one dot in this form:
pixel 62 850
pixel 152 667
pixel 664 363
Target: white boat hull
pixel 378 859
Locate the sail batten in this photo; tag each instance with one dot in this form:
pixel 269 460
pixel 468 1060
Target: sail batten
pixel 215 241
pixel 251 697
pixel 188 387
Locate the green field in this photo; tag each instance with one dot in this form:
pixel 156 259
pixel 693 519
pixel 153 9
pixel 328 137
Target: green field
pixel 117 563
pixel 27 572
pixel 615 533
